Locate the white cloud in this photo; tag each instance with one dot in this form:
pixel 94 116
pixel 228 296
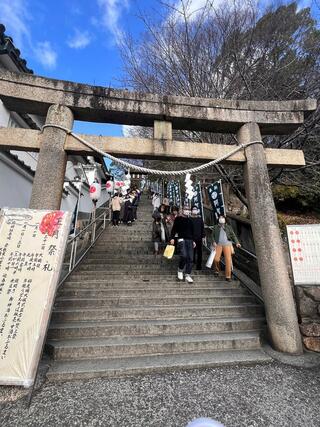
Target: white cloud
pixel 192 8
pixel 45 54
pixel 79 40
pixel 14 15
pixel 127 130
pixel 112 11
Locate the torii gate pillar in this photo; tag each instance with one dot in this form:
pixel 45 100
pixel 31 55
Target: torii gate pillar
pixel 275 284
pixel 49 178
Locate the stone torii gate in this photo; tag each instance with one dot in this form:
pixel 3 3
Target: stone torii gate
pixel 62 102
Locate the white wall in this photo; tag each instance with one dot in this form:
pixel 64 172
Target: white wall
pixel 15 186
pixel 4 115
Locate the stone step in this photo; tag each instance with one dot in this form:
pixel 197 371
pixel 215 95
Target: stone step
pixel 158 281
pixel 135 278
pixel 152 327
pixel 116 259
pixel 128 269
pixel 125 229
pixel 112 256
pixel 129 253
pixel 105 347
pixel 153 300
pixel 128 366
pixel 139 224
pixel 66 314
pixel 149 292
pixel 135 275
pixel 117 239
pixel 169 287
pixel 105 271
pixel 123 240
pixel 125 247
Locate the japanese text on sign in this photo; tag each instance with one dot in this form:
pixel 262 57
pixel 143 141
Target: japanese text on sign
pixel 32 245
pixel 304 246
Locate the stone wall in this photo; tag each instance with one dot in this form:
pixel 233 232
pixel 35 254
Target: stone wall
pixel 308 305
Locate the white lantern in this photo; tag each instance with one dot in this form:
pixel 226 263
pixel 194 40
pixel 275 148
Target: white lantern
pixel 118 184
pixel 95 191
pixel 110 186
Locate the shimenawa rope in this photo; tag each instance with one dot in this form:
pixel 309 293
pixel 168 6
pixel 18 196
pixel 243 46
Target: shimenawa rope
pixel 144 170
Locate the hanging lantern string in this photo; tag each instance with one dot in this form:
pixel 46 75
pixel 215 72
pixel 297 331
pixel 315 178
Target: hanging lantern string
pixel 144 170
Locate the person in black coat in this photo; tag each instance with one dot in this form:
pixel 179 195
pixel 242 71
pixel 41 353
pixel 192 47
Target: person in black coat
pixel 128 211
pixel 135 203
pixel 184 230
pixel 199 235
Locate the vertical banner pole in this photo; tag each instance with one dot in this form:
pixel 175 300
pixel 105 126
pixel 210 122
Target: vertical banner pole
pixel 201 201
pixel 221 192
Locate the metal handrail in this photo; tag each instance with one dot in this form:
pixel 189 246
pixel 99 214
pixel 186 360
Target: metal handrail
pixel 87 226
pixel 74 262
pixel 248 252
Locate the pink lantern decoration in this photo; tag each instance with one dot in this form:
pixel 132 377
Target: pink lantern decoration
pixel 95 191
pixel 119 184
pixel 109 186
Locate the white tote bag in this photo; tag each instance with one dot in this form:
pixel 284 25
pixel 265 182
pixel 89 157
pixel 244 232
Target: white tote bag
pixel 211 258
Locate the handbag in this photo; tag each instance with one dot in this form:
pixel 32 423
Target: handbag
pixel 211 258
pixel 169 251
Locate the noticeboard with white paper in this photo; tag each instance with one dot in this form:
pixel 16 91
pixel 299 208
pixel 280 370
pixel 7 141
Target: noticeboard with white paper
pixel 304 247
pixel 32 247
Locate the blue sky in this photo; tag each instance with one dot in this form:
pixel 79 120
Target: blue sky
pixel 77 39
pixel 74 40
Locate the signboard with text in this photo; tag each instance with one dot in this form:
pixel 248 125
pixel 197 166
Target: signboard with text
pixel 304 247
pixel 32 246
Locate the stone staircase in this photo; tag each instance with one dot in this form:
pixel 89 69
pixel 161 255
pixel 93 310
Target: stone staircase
pixel 123 312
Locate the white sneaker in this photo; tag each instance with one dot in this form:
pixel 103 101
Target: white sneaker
pixel 189 278
pixel 180 275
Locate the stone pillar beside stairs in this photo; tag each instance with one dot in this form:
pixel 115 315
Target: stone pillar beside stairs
pixel 49 178
pixel 275 283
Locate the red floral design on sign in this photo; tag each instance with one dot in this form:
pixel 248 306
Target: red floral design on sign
pixel 51 222
pixel 92 189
